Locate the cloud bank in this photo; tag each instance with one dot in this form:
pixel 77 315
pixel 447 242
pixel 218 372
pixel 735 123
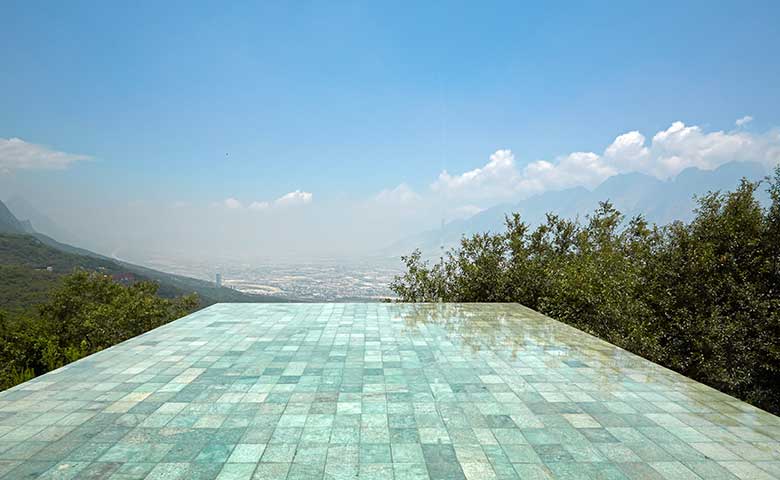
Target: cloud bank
pixel 253 226
pixel 232 203
pixel 741 122
pixel 667 153
pixel 294 198
pixel 16 154
pixel 400 195
pixel 290 199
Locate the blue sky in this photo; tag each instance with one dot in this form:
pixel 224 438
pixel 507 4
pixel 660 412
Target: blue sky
pixel 199 102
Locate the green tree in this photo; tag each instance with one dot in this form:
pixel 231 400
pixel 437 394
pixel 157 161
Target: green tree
pixel 87 313
pixel 702 298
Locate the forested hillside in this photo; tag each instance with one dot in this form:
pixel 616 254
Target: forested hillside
pixel 700 297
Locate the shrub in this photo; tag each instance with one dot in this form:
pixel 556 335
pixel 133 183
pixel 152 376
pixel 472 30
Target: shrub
pixel 702 298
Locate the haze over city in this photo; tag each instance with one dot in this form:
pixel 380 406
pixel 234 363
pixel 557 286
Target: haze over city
pixel 223 136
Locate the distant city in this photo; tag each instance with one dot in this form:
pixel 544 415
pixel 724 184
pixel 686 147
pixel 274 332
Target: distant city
pixel 318 279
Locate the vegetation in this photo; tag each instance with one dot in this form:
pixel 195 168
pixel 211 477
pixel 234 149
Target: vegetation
pixel 22 287
pixel 29 251
pixel 86 313
pixel 30 255
pixel 701 298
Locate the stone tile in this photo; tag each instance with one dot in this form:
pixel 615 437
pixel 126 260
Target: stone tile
pixel 375 391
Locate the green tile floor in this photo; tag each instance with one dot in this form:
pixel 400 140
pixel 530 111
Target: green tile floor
pixel 376 391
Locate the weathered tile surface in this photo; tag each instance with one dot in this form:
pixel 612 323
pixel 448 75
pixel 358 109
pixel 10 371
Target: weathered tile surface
pixel 376 391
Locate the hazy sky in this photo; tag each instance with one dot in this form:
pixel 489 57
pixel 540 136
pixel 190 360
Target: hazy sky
pixel 299 127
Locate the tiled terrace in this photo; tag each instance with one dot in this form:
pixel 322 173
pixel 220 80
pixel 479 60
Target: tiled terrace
pixel 376 391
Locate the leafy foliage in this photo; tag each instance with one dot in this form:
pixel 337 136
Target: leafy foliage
pixel 22 287
pixel 702 298
pixel 86 313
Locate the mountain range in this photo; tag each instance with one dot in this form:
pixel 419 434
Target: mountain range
pixel 659 201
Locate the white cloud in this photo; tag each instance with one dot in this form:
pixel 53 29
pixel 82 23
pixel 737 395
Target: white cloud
pixel 464 211
pixel 262 206
pixel 289 199
pixel 501 178
pixel 16 154
pixel 232 203
pixel 741 122
pixel 294 198
pixel 628 152
pixel 577 168
pixel 681 146
pixel 400 195
pixel 669 152
pixel 498 177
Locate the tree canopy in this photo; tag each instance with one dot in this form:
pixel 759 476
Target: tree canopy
pixel 701 298
pixel 88 312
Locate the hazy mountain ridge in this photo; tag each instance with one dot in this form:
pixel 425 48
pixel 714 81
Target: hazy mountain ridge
pixel 8 222
pixel 659 201
pixel 39 222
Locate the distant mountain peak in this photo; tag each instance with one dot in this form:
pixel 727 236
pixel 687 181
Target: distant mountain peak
pixel 27 226
pixel 24 210
pixel 8 222
pixel 727 170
